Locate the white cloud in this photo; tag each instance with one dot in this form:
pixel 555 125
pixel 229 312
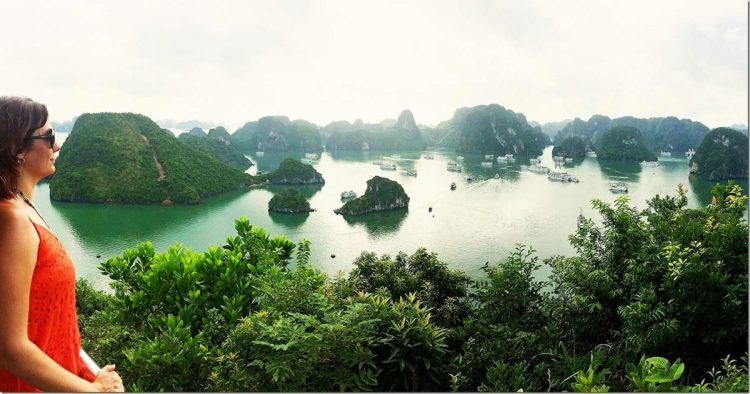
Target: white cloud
pixel 235 61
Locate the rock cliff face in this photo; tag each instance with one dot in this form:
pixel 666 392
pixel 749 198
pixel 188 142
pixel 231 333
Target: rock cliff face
pixel 293 172
pixel 382 194
pixel 289 201
pixel 623 143
pixel 723 154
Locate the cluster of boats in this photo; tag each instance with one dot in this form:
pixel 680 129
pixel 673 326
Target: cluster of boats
pixel 561 177
pixel 309 158
pixel 454 166
pixel 618 187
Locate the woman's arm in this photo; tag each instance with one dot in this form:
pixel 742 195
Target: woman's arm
pixel 18 355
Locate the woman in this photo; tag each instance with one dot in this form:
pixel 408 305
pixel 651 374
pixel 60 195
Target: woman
pixel 39 338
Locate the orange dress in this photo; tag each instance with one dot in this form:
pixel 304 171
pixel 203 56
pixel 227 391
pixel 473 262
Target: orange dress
pixel 53 322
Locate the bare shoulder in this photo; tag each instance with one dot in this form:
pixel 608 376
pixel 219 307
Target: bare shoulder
pixel 16 230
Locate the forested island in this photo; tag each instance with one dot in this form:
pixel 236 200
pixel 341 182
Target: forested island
pixel 668 134
pixel 293 172
pixel 277 134
pixel 490 129
pixel 652 300
pixel 403 134
pixel 127 158
pixel 722 155
pixel 572 146
pixel 623 143
pixel 289 201
pixel 382 194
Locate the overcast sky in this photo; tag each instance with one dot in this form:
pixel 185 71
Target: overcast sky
pixel 230 62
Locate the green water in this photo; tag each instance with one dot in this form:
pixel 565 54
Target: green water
pixel 478 222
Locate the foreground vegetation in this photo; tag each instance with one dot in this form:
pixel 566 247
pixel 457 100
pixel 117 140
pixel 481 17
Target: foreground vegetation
pixel 653 300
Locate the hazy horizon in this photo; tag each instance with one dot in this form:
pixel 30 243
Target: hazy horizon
pixel 323 61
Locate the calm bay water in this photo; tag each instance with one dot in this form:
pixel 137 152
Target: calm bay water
pixel 478 222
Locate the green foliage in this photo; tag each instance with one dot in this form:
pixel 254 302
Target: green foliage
pixel 289 201
pixel 218 149
pixel 730 378
pixel 293 172
pixel 572 146
pixel 381 194
pixel 111 158
pixel 623 143
pixel 655 374
pixel 664 280
pixel 721 155
pixel 434 284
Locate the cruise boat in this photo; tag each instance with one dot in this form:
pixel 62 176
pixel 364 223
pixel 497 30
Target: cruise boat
pixel 511 158
pixel 453 185
pixel 489 157
pixel 650 163
pixel 429 156
pixel 311 156
pixel 533 161
pixel 411 172
pixel 260 154
pixel 469 178
pixel 348 194
pixel 388 167
pixel 561 177
pixel 497 176
pixel 538 169
pixel 377 162
pixel 590 154
pixel 306 160
pixel 486 164
pixel 558 158
pixel 453 166
pixel 460 159
pixel 665 153
pixel 618 187
pixel 581 220
pixel 568 159
pixel 689 154
pixel 502 159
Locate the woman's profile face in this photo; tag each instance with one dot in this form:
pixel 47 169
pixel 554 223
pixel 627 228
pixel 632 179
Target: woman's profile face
pixel 39 158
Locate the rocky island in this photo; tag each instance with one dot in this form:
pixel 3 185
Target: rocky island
pixel 217 148
pixel 572 146
pixel 289 201
pixel 127 158
pixel 401 134
pixel 293 172
pixel 721 155
pixel 382 194
pixel 623 143
pixel 277 134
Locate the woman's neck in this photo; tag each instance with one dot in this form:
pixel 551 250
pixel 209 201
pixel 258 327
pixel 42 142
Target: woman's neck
pixel 26 187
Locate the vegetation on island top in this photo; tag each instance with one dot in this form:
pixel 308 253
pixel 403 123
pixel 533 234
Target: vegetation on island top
pixel 492 129
pixel 217 148
pixel 289 201
pixel 623 143
pixel 659 134
pixel 127 158
pixel 572 146
pixel 293 172
pixel 621 314
pixel 277 134
pixel 382 194
pixel 721 155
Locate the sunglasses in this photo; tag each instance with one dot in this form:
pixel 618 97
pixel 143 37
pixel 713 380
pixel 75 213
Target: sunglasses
pixel 49 137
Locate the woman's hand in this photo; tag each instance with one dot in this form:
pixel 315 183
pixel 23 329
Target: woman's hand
pixel 107 380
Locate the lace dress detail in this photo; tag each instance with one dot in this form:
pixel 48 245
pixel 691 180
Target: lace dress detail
pixel 53 322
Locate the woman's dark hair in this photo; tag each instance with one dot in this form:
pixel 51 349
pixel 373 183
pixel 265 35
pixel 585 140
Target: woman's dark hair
pixel 19 117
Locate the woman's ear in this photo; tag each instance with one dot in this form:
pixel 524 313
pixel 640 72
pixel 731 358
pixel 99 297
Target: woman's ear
pixel 20 159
